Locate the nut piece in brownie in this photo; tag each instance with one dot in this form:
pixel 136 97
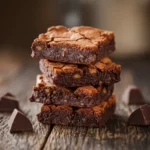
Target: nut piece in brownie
pixel 65 115
pixel 71 75
pixel 77 45
pixel 85 96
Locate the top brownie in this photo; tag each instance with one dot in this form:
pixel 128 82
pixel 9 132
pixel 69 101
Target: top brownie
pixel 77 45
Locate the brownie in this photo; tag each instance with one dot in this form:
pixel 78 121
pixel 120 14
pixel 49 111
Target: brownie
pixel 71 75
pixel 65 115
pixel 77 45
pixel 85 96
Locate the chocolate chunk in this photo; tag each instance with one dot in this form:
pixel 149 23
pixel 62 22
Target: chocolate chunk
pixel 70 75
pixel 18 122
pixel 78 45
pixel 95 116
pixel 8 103
pixel 133 96
pixel 86 96
pixel 9 94
pixel 140 116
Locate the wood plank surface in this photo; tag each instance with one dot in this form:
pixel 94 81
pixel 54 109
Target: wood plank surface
pixel 116 135
pixel 20 83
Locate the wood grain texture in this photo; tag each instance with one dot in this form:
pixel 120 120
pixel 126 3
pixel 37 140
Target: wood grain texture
pixel 116 135
pixel 21 85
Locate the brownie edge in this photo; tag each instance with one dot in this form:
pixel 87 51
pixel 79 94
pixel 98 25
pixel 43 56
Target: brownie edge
pixel 90 117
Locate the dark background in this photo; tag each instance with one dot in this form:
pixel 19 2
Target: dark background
pixel 22 21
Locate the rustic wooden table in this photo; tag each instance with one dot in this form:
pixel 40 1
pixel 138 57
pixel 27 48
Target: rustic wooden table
pixel 18 76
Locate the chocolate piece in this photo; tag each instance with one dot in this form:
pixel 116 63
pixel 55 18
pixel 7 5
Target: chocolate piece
pixel 140 116
pixel 69 75
pixel 8 103
pixel 78 45
pixel 85 96
pixel 91 117
pixel 18 122
pixel 9 94
pixel 133 96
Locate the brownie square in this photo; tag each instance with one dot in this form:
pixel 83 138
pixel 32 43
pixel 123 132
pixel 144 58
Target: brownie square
pixel 85 96
pixel 65 115
pixel 77 45
pixel 71 75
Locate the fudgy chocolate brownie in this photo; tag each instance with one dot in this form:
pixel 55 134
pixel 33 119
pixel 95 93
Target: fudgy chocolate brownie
pixel 77 45
pixel 91 117
pixel 71 75
pixel 85 96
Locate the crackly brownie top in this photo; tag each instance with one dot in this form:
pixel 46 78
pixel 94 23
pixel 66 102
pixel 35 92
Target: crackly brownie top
pixel 98 109
pixel 84 36
pixel 102 65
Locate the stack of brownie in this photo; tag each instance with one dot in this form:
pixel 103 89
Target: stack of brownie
pixel 78 78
